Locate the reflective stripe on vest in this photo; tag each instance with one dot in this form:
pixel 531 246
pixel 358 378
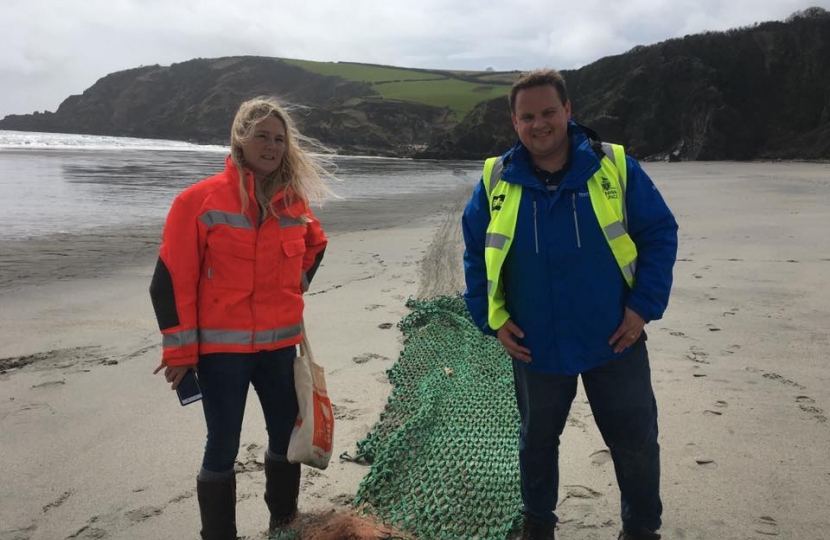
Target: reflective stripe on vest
pixel 607 192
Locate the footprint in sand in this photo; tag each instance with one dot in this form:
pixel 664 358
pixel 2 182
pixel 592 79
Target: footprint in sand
pixel 26 408
pixel 372 307
pixel 767 526
pixel 776 377
pixel 572 421
pixel 675 333
pixel 706 463
pixel 601 457
pixel 19 534
pixel 345 413
pixel 311 477
pixel 48 384
pixel 581 501
pixel 365 357
pixel 712 328
pixel 343 499
pixel 88 533
pixel 252 461
pixel 385 326
pixel 721 404
pixel 806 404
pixel 59 501
pixel 709 412
pixel 144 513
pixel 581 492
pixel 697 355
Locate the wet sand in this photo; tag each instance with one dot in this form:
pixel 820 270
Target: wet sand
pixel 93 446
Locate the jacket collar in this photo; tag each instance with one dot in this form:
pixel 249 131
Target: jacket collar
pixel 233 174
pixel 583 163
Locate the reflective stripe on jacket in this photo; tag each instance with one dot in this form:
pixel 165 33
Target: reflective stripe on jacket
pixel 221 283
pixel 607 193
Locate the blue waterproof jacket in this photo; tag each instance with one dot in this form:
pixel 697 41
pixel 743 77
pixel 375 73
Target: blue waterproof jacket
pixel 562 286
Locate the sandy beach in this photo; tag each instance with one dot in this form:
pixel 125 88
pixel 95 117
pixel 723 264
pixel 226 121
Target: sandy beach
pixel 92 445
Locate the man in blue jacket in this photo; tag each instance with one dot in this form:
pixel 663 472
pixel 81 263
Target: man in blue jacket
pixel 569 253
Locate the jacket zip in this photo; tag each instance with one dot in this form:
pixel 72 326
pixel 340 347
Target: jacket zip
pixel 576 220
pixel 259 219
pixel 535 228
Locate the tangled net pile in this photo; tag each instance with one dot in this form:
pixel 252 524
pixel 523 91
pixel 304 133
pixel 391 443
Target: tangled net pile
pixel 444 460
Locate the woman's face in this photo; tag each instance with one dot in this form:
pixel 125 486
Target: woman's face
pixel 263 153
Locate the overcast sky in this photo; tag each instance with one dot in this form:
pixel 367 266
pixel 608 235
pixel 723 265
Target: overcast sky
pixel 51 49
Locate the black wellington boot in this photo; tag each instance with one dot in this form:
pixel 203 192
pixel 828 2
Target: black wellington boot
pixel 217 506
pixel 282 487
pixel 536 529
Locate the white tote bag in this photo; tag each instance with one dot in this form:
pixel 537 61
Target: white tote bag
pixel 313 435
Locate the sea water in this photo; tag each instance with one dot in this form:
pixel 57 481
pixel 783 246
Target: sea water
pixel 52 183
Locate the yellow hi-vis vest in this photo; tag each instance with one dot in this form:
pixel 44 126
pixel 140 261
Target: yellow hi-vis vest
pixel 607 191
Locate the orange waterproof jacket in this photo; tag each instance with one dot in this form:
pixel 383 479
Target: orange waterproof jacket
pixel 224 284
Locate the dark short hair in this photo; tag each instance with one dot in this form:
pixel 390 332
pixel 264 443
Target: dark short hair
pixel 538 77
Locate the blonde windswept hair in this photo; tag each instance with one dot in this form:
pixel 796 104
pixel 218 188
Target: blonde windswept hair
pixel 299 170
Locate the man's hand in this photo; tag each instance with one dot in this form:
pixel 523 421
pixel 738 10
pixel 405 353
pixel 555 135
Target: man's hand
pixel 507 335
pixel 629 331
pixel 173 374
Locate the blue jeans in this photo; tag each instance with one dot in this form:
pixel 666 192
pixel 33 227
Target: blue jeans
pixel 625 411
pixel 225 378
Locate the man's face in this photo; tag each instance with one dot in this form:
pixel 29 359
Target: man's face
pixel 541 121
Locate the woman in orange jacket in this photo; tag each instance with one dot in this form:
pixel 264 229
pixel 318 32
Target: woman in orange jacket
pixel 238 250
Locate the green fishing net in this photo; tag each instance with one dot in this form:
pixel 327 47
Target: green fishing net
pixel 443 455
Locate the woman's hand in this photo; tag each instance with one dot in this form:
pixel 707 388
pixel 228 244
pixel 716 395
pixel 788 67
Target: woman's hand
pixel 173 374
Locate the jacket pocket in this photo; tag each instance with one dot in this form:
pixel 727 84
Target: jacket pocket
pixel 229 264
pixel 292 264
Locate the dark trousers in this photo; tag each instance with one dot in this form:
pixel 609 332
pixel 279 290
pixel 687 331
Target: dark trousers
pixel 225 378
pixel 625 412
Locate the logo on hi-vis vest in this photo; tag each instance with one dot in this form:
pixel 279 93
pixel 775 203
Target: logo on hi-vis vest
pixel 498 200
pixel 610 192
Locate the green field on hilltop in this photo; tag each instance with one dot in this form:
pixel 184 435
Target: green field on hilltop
pixel 460 96
pixel 362 72
pixel 437 88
